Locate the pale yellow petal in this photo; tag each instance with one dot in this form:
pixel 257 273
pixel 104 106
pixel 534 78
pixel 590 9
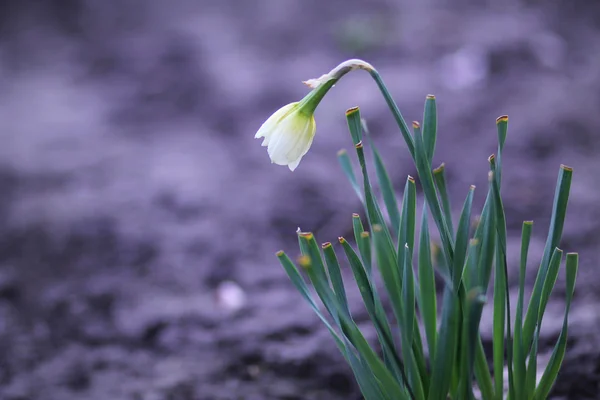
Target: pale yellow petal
pixel 292 138
pixel 267 127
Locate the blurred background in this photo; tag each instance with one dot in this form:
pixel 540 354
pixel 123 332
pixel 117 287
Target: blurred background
pixel 139 217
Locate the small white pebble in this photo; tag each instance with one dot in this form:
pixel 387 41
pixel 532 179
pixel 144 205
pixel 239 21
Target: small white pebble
pixel 230 296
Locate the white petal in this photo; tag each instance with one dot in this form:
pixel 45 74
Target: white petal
pixel 292 138
pixel 294 164
pixel 267 127
pixel 303 145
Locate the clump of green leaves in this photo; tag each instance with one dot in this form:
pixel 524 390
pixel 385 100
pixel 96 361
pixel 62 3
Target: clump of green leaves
pixel 447 360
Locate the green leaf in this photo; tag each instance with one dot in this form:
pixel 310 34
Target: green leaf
pixel 310 248
pixel 354 125
pixel 427 183
pixel 498 331
pixel 472 316
pixel 427 292
pixel 375 310
pixel 445 352
pixel 300 285
pixel 407 224
pixel 385 184
pixel 406 240
pixel 462 239
pixel 531 374
pixel 297 280
pixel 542 300
pixel 395 112
pixel 550 374
pixel 312 263
pixel 385 253
pixel 482 373
pixel 473 304
pixel 376 366
pixel 389 384
pixel 346 165
pixel 335 275
pixel 559 210
pixel 363 281
pixel 369 387
pixel 502 127
pixel 439 176
pixel 430 126
pixel 387 264
pixel 501 284
pixel 408 326
pixel 500 296
pixel 549 282
pixel 518 351
pixel 374 214
pixel 364 246
pixel 485 236
pixel 366 380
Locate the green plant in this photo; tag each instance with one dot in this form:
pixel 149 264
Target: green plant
pixel 447 360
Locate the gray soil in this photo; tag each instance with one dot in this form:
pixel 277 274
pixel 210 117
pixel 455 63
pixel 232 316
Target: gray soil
pixel 133 196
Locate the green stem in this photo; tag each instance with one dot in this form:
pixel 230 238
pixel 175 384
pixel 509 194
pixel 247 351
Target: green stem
pixel 309 103
pixel 395 111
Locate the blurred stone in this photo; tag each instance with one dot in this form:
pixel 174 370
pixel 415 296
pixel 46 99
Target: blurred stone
pixel 230 296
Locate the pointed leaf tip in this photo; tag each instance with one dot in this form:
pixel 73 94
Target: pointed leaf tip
pixel 352 110
pixel 306 235
pixel 439 169
pixel 566 168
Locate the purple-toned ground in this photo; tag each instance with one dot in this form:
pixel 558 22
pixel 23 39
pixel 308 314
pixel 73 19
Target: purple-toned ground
pixel 131 187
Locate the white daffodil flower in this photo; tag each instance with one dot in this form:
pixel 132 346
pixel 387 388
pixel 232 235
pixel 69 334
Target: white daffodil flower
pixel 289 132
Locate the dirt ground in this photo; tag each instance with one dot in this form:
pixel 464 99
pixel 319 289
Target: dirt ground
pixel 139 217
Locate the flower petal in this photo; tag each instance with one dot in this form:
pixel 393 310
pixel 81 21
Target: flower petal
pixel 292 138
pixel 294 164
pixel 267 127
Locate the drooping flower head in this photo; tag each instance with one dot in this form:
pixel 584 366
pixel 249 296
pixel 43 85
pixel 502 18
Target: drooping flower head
pixel 289 132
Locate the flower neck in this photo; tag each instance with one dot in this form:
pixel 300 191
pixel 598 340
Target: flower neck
pixel 310 102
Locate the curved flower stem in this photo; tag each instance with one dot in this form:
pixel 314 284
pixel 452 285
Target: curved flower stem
pixel 397 114
pixel 350 65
